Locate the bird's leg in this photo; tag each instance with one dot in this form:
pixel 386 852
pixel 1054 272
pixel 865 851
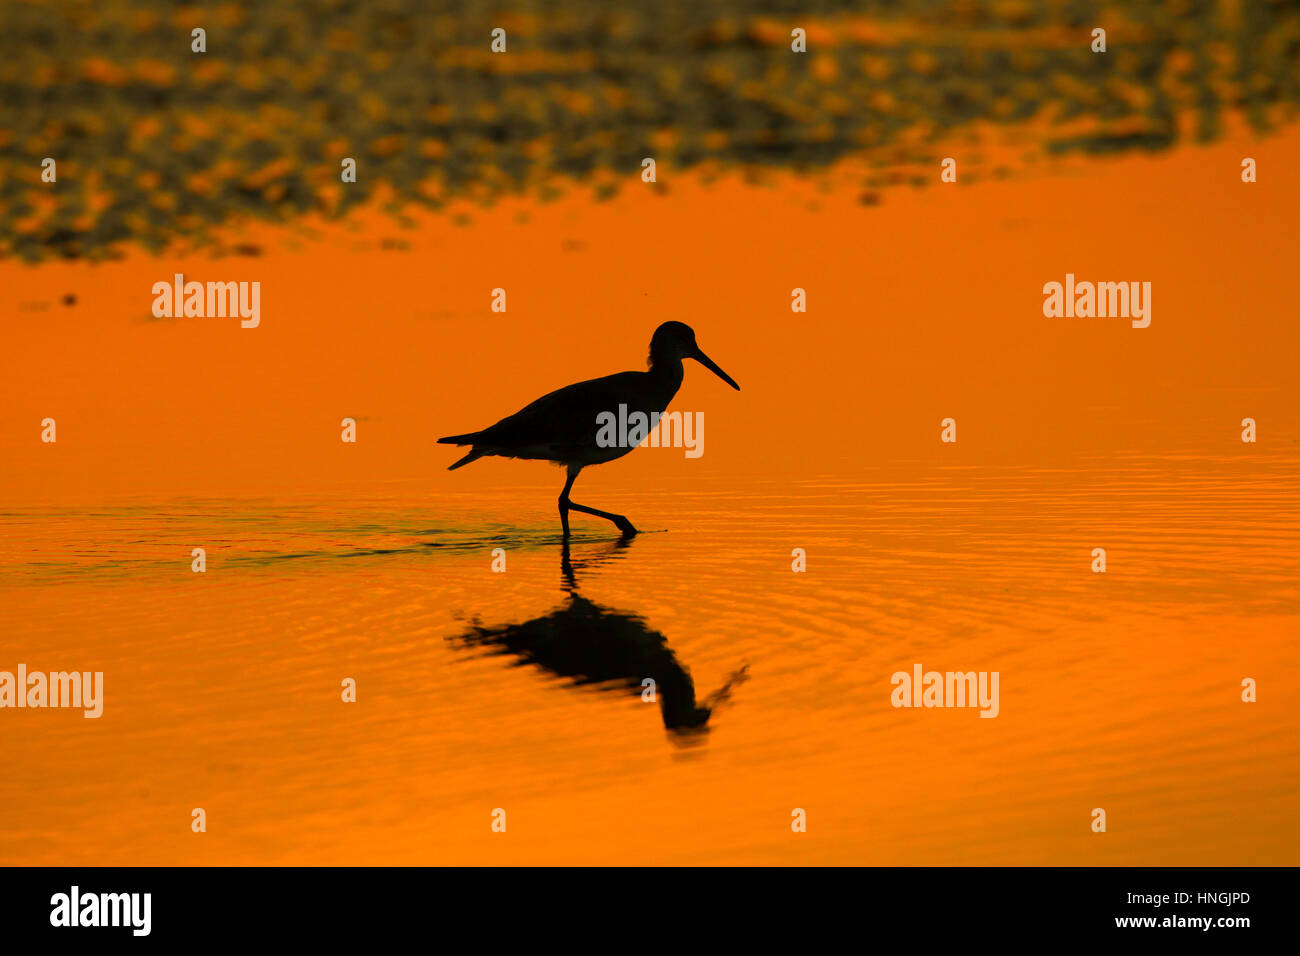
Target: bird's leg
pixel 619 521
pixel 566 505
pixel 564 499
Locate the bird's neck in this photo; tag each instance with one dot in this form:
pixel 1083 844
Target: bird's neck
pixel 667 375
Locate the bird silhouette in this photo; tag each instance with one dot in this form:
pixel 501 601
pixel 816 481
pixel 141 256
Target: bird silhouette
pixel 562 427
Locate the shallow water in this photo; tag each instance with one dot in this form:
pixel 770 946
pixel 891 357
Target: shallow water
pixel 520 690
pixel 1117 690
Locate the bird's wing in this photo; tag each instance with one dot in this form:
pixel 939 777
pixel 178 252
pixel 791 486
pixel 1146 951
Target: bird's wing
pixel 567 416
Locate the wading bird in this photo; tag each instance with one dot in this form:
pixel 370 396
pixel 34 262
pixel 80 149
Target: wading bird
pixel 562 426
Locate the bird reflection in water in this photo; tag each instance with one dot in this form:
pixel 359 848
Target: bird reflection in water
pixel 593 645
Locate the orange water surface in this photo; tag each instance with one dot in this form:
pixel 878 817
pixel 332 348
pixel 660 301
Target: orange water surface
pixel 329 560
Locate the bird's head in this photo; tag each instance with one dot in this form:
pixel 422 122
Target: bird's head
pixel 674 341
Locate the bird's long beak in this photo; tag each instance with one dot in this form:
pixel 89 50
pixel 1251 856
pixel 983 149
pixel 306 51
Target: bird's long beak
pixel 712 366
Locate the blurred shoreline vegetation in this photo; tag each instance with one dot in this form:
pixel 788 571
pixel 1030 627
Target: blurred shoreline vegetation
pixel 154 142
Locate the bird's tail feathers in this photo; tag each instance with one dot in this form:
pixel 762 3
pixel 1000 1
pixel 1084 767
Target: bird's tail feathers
pixel 474 455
